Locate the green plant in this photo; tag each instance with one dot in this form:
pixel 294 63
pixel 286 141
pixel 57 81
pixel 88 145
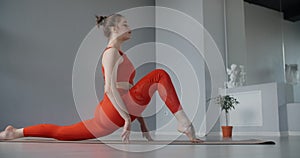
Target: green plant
pixel 227 103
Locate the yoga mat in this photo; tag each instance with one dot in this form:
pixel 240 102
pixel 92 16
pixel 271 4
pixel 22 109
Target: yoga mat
pixel 156 142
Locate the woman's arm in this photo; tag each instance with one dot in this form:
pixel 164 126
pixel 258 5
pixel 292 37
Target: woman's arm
pixel 144 129
pixel 111 59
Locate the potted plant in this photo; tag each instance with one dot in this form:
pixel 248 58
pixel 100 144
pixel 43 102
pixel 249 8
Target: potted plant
pixel 227 103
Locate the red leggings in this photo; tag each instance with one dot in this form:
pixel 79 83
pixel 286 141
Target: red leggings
pixel 107 119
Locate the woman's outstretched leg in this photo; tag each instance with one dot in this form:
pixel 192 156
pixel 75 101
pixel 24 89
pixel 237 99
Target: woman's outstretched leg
pixel 159 80
pixel 98 126
pixel 73 132
pixel 76 131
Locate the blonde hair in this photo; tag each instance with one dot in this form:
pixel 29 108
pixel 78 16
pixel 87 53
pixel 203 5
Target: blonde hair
pixel 107 22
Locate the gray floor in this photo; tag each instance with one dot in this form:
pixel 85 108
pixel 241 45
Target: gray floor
pixel 286 147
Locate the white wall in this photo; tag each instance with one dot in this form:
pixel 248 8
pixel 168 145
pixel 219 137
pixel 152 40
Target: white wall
pixel 194 9
pixel 254 37
pixel 235 31
pixel 37 56
pixel 39 40
pixel 264 45
pixel 214 23
pixel 291 34
pixel 266 31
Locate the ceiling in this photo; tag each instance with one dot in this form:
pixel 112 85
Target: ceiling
pixel 290 8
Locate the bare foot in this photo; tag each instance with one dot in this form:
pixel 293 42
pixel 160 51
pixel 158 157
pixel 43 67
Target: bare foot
pixel 10 133
pixel 189 131
pixel 185 126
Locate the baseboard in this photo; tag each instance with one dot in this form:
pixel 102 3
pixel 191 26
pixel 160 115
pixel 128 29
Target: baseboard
pixel 290 133
pixel 247 134
pixel 294 133
pixel 215 134
pixel 167 135
pixel 177 135
pixel 284 133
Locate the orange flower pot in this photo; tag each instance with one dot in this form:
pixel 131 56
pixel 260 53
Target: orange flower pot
pixel 227 131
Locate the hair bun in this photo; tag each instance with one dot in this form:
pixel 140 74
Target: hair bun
pixel 100 20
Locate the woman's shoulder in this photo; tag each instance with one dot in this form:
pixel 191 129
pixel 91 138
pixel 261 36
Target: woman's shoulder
pixel 111 54
pixel 112 50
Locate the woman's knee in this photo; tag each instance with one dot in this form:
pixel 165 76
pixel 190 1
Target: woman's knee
pixel 162 72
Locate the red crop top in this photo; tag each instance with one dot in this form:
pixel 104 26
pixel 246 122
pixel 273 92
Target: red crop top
pixel 126 70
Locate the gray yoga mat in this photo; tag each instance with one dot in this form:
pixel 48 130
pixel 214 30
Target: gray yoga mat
pixel 156 142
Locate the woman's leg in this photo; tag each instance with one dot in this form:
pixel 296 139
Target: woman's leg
pixel 158 80
pixel 99 126
pixel 76 131
pixel 140 95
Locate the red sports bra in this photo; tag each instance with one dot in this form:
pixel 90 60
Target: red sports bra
pixel 126 70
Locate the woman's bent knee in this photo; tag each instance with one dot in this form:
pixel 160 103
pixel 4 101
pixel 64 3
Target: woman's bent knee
pixel 162 72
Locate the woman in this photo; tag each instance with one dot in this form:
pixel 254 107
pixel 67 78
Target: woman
pixel 123 101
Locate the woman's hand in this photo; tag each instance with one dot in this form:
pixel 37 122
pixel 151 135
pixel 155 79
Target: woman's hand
pixel 144 129
pixel 145 133
pixel 126 131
